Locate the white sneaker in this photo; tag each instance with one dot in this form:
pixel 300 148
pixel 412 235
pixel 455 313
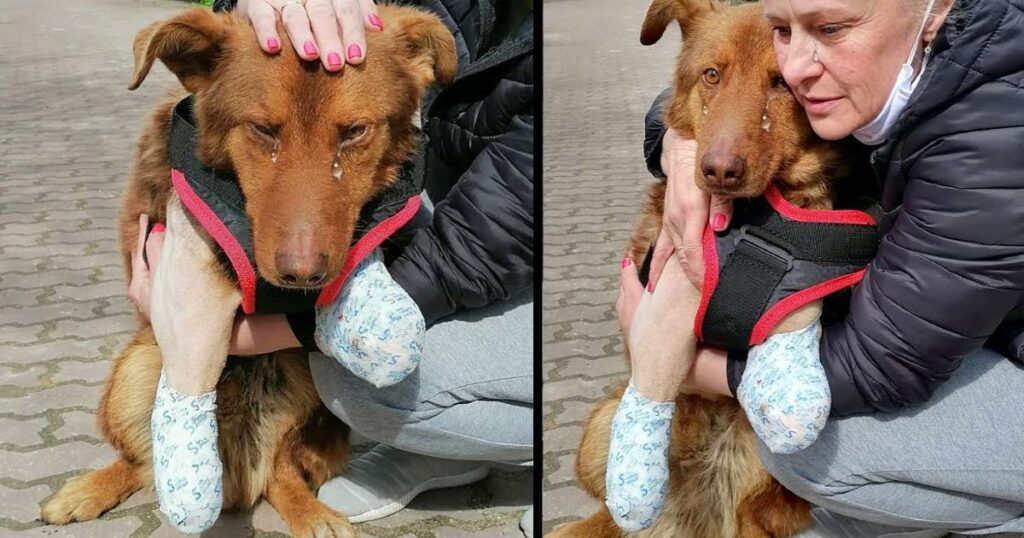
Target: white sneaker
pixel 526 523
pixel 385 479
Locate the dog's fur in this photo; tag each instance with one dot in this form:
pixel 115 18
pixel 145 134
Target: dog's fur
pixel 718 487
pixel 277 439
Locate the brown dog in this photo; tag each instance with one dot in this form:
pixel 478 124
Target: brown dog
pixel 279 123
pixel 730 97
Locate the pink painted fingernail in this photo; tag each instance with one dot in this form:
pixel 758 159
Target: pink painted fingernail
pixel 718 222
pixel 334 59
pixel 309 48
pixel 273 44
pixel 650 286
pixel 354 52
pixel 626 262
pixel 158 228
pixel 375 20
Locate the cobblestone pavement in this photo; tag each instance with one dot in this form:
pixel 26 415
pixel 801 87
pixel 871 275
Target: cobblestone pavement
pixel 68 129
pixel 598 84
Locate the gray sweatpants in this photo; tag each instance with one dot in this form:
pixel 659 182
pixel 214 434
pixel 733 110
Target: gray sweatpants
pixel 471 398
pixel 954 464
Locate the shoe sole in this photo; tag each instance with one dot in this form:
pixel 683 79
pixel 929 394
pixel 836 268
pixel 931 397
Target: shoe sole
pixel 434 483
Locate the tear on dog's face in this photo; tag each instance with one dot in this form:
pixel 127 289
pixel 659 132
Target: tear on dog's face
pixel 309 147
pixel 730 97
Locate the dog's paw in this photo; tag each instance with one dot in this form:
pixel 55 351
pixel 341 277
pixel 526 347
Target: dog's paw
pixel 76 501
pixel 324 523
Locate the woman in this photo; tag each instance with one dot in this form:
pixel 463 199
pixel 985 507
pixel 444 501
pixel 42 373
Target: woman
pixel 934 443
pixel 465 267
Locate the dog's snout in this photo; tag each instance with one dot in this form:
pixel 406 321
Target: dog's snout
pixel 721 169
pixel 297 269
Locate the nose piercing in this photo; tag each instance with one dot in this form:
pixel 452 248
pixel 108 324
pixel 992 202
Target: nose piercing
pixel 814 56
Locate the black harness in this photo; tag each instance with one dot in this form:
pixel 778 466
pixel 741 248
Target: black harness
pixel 215 199
pixel 773 259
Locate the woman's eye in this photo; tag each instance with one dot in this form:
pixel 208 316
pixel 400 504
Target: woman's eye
pixel 712 76
pixel 782 31
pixel 830 29
pixel 352 133
pixel 264 130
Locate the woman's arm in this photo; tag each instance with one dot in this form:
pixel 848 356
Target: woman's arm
pixel 479 247
pixel 945 276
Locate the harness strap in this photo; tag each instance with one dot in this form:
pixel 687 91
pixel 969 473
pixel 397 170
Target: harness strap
pixel 753 271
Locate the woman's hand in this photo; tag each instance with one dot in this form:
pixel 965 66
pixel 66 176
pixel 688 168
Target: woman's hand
pixel 192 306
pixel 666 372
pixel 139 289
pixel 658 326
pixel 332 30
pixel 687 210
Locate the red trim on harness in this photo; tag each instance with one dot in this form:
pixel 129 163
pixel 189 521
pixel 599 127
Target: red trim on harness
pixel 213 225
pixel 833 216
pixel 786 306
pixel 710 279
pixel 369 241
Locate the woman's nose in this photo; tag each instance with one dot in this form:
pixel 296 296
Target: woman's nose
pixel 799 63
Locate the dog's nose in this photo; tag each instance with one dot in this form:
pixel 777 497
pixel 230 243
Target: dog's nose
pixel 297 270
pixel 722 169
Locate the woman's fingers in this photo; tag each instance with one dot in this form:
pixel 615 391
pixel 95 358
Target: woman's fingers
pixel 721 212
pixel 630 293
pixel 296 23
pixel 371 19
pixel 691 247
pixel 663 249
pixel 351 20
pixel 139 264
pixel 324 23
pixel 155 245
pixel 263 17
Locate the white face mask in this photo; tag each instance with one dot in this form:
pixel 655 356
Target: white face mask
pixel 879 129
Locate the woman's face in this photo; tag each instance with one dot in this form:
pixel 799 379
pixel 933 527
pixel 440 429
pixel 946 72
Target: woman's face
pixel 861 46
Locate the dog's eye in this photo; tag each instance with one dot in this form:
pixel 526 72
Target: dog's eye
pixel 351 134
pixel 266 131
pixel 779 83
pixel 712 76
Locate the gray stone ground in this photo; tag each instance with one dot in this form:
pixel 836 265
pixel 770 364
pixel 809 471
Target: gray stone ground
pixel 598 84
pixel 67 129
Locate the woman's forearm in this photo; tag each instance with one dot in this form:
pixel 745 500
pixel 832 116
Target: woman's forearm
pixel 261 333
pixel 708 373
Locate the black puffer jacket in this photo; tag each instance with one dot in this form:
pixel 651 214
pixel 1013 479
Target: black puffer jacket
pixel 949 273
pixel 478 248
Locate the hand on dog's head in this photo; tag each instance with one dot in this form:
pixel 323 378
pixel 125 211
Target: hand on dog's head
pixel 309 147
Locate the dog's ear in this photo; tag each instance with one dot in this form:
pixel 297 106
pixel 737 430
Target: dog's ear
pixel 188 44
pixel 662 12
pixel 431 45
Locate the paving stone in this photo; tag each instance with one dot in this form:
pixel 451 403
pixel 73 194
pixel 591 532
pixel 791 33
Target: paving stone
pixel 57 397
pixel 22 504
pixel 77 423
pixel 49 461
pixel 22 432
pixel 89 372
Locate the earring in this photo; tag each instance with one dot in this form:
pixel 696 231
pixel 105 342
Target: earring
pixel 766 122
pixel 814 56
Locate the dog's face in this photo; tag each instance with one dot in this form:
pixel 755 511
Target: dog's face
pixel 309 147
pixel 729 95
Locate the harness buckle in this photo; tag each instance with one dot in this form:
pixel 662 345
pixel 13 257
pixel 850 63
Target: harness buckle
pixel 748 234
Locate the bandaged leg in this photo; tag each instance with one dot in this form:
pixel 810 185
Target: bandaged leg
pixel 784 391
pixel 187 471
pixel 373 328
